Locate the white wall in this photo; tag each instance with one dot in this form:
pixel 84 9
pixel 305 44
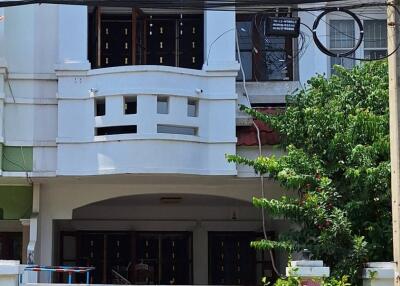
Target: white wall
pixel 29 113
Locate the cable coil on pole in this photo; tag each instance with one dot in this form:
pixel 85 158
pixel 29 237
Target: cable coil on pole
pixel 325 49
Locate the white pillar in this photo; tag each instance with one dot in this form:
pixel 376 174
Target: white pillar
pixel 3 62
pixel 9 272
pixel 219 40
pixel 200 255
pixel 378 274
pixel 313 60
pixel 25 239
pixel 310 272
pixel 3 70
pixel 72 38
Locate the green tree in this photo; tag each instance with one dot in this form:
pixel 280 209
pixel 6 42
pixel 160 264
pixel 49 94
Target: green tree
pixel 336 170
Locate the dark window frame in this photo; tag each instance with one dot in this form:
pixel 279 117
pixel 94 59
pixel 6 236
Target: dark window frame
pixel 139 51
pixel 257 57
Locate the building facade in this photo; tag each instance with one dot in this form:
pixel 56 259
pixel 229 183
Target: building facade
pixel 115 123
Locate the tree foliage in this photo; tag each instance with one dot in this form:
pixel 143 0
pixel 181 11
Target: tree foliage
pixel 336 170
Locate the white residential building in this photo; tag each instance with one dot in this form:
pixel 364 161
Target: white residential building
pixel 114 127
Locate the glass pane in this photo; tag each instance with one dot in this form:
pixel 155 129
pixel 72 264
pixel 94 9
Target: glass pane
pixel 247 64
pixel 69 248
pixel 171 129
pixel 342 35
pixel 345 62
pixel 275 43
pixel 375 34
pixel 375 54
pixel 244 30
pixel 277 65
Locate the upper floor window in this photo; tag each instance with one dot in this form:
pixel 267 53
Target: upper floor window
pixel 133 37
pixel 375 41
pixel 342 37
pixel 263 58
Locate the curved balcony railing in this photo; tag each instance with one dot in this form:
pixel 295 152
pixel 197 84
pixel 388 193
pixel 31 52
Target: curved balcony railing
pixel 146 119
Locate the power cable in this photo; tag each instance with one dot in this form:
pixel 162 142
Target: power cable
pixel 260 154
pixel 325 50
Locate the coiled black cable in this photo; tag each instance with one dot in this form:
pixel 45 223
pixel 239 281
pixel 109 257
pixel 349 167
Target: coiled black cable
pixel 325 49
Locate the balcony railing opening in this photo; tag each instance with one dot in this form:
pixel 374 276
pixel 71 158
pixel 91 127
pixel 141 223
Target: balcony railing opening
pixel 119 37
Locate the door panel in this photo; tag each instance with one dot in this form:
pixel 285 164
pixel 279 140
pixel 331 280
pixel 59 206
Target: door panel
pixel 154 257
pixel 161 42
pixel 231 259
pixel 91 253
pixel 168 256
pixel 11 245
pixel 191 43
pixel 116 40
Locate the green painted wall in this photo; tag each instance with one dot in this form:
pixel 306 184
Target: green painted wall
pixel 15 202
pixel 17 159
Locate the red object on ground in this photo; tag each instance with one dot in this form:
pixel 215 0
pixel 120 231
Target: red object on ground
pixel 310 282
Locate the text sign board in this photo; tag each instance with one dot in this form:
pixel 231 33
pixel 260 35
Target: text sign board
pixel 283 26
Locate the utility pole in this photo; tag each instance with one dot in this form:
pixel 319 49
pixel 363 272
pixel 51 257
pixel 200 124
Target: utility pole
pixel 394 109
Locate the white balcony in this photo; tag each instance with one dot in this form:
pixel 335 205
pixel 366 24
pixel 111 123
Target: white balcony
pixel 157 137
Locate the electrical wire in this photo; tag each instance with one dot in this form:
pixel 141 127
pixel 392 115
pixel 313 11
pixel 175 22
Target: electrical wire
pixel 348 54
pixel 325 50
pixel 215 40
pixel 203 4
pixel 260 154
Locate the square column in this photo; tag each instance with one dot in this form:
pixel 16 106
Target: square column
pixel 220 40
pixel 200 255
pixel 313 60
pixel 72 38
pixel 3 62
pixel 25 239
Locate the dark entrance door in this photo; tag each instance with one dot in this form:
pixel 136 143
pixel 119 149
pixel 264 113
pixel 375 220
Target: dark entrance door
pixel 10 245
pixel 233 262
pixel 168 256
pixel 134 257
pixel 108 252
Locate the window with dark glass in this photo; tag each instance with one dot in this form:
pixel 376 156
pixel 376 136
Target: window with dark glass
pixel 263 58
pixel 133 37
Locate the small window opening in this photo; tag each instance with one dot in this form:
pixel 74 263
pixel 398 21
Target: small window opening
pixel 172 129
pixel 100 106
pixel 192 108
pixel 130 105
pixel 113 130
pixel 162 105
